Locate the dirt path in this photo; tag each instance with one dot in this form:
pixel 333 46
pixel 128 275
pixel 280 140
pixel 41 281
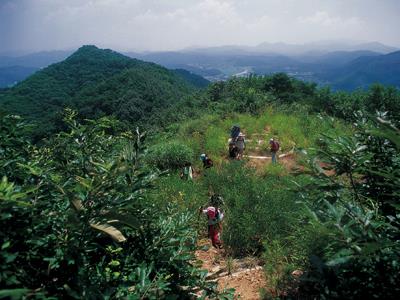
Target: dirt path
pixel 246 276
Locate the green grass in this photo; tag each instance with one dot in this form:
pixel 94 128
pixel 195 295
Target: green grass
pixel 262 213
pixel 276 170
pixel 210 133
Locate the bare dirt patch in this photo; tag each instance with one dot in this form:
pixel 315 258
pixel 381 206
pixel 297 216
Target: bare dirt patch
pixel 246 276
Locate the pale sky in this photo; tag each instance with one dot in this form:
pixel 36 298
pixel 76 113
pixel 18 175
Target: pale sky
pixel 35 25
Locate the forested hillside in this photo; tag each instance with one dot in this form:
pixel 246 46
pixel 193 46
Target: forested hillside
pixel 363 71
pixel 99 209
pixel 97 83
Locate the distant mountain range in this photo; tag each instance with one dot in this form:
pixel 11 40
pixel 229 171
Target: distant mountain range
pixel 16 68
pixel 315 48
pixel 347 70
pixel 13 74
pixel 342 65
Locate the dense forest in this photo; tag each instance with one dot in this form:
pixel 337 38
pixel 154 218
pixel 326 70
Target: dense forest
pixel 97 83
pixel 93 207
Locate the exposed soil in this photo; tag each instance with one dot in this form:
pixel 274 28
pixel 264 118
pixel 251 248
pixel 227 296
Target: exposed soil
pixel 246 276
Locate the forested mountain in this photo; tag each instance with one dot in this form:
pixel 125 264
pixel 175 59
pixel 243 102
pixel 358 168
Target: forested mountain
pixel 192 78
pixel 365 70
pixel 97 82
pixel 337 64
pixel 86 213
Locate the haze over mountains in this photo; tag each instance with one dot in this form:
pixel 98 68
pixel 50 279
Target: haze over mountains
pixel 342 65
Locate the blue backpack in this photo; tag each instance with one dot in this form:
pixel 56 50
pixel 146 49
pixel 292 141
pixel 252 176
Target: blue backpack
pixel 235 132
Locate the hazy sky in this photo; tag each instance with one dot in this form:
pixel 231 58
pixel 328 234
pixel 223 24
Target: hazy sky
pixel 33 25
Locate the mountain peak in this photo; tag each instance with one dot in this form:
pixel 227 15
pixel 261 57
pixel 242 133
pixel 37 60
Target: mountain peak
pixel 86 48
pixel 91 53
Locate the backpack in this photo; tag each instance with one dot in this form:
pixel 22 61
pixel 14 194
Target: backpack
pixel 235 131
pixel 217 200
pixel 233 152
pixel 274 146
pixel 208 163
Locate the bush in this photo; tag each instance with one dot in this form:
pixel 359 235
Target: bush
pixel 357 209
pixel 171 155
pixel 77 224
pixel 257 209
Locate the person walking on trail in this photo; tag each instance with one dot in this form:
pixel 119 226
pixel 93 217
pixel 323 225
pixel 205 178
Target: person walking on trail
pixel 207 162
pixel 233 151
pixel 214 217
pixel 240 145
pixel 238 139
pixel 187 172
pixel 274 148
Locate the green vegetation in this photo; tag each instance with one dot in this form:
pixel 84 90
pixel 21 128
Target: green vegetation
pixel 96 83
pixel 75 222
pixel 90 213
pixel 358 213
pixel 172 155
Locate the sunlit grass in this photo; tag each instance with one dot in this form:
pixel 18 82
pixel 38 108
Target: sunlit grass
pixel 210 133
pixel 275 170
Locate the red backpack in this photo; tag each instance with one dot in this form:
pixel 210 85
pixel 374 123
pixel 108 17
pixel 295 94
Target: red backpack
pixel 274 146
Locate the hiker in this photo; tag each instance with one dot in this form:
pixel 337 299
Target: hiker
pixel 235 131
pixel 214 216
pixel 274 147
pixel 233 150
pixel 187 172
pixel 240 145
pixel 207 162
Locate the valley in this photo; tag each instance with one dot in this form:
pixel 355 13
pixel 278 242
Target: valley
pixel 95 204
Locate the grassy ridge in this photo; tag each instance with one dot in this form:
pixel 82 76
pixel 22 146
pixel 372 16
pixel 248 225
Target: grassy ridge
pixel 325 229
pixel 264 215
pixel 210 133
pixel 260 206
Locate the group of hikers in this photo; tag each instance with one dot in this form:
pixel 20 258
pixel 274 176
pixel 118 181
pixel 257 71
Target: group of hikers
pixel 237 145
pixel 213 212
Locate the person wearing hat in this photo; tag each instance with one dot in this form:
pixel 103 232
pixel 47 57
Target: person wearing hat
pixel 214 216
pixel 207 162
pixel 274 147
pixel 240 145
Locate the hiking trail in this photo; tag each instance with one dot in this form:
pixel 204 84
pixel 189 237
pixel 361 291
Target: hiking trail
pixel 245 275
pixel 259 156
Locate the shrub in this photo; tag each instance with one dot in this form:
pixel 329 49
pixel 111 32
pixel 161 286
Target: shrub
pixel 358 209
pixel 257 209
pixel 77 224
pixel 171 155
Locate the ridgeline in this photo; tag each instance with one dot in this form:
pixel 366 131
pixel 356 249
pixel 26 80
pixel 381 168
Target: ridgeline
pixel 94 210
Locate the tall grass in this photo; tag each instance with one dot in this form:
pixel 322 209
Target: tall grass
pixel 210 133
pixel 262 213
pixel 257 209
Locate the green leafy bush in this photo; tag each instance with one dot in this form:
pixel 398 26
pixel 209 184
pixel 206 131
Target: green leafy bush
pixel 257 209
pixel 76 223
pixel 170 155
pixel 358 209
